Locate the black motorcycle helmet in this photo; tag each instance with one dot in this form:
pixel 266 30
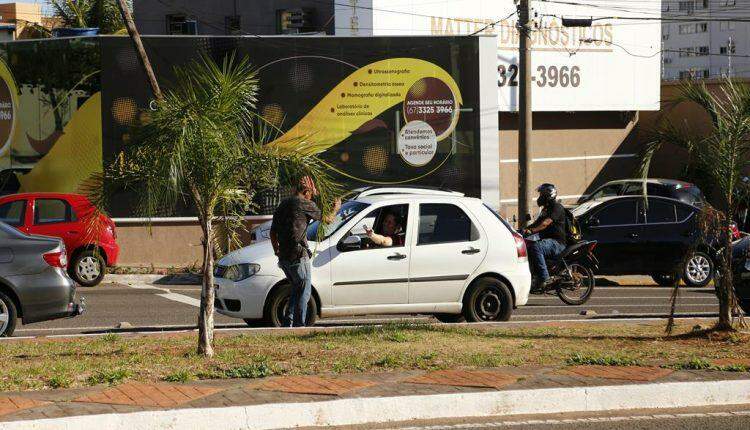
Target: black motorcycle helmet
pixel 547 194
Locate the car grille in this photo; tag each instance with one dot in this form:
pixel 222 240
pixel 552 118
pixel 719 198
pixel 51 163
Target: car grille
pixel 219 271
pixel 233 305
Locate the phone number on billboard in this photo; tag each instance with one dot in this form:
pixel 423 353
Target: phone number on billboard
pixel 546 76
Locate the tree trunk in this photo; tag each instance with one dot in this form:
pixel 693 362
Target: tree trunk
pixel 206 316
pixel 723 282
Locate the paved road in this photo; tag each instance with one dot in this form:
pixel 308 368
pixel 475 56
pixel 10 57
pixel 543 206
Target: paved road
pixel 147 306
pixel 714 418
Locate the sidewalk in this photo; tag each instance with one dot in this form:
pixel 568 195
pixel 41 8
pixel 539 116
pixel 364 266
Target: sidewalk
pixel 325 400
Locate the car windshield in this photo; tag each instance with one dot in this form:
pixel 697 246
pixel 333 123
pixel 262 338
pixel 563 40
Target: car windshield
pixel 585 207
pixel 347 211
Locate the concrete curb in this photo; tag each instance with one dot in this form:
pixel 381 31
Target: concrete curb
pixel 175 279
pixel 354 411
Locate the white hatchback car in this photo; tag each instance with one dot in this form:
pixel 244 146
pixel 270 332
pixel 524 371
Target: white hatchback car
pixel 459 260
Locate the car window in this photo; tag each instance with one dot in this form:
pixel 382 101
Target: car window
pixel 684 212
pixel 605 191
pixel 348 211
pixel 12 213
pixel 660 212
pixel 618 213
pixel 691 195
pixel 444 223
pixel 376 220
pixel 49 211
pixel 633 189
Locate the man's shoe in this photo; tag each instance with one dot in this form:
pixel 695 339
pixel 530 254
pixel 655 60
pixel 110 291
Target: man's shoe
pixel 548 283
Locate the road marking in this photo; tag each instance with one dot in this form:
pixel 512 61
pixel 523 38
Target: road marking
pixel 576 421
pixel 632 297
pixel 584 306
pixel 169 295
pixel 181 299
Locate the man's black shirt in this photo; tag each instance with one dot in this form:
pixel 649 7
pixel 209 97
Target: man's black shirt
pixel 556 230
pixel 290 225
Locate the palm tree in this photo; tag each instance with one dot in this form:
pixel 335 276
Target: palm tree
pixel 103 14
pixel 204 145
pixel 722 156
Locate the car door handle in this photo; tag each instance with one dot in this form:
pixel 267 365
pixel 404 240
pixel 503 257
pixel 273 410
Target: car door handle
pixel 397 256
pixel 72 232
pixel 470 251
pixel 633 235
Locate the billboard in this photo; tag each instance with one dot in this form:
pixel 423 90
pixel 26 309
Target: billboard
pixel 613 65
pixel 378 111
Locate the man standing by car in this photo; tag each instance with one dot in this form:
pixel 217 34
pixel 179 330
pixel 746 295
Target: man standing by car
pixel 289 241
pixel 550 225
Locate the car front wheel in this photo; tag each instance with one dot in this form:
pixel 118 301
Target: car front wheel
pixel 698 270
pixel 88 268
pixel 278 305
pixel 488 299
pixel 8 315
pixel 450 318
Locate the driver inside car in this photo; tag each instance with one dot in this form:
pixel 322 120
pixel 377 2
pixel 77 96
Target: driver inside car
pixel 391 232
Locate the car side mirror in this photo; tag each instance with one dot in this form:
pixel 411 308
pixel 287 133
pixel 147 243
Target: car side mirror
pixel 592 222
pixel 350 243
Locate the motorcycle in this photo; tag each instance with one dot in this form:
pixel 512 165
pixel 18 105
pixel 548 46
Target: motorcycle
pixel 572 273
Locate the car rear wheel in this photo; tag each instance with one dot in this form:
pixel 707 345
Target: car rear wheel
pixel 450 318
pixel 88 268
pixel 488 299
pixel 8 315
pixel 698 270
pixel 278 304
pixel 663 279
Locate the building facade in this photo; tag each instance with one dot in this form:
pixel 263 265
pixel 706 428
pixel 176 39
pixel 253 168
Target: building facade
pixel 705 39
pixel 233 17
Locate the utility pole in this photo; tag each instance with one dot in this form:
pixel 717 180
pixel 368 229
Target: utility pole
pixel 730 53
pixel 524 111
pixel 133 32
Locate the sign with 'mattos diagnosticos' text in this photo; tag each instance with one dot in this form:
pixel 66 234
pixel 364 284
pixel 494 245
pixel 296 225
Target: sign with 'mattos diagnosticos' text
pixel 612 65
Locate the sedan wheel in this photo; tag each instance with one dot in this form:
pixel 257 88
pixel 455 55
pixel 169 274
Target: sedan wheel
pixel 698 271
pixel 7 315
pixel 277 307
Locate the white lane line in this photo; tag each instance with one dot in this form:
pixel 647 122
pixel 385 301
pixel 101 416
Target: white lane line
pixel 679 305
pixel 169 295
pixel 181 299
pixel 709 297
pixel 575 421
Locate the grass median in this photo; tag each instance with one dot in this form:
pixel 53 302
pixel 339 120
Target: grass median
pixel 115 358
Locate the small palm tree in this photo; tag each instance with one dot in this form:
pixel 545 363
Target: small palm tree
pixel 203 145
pixel 103 14
pixel 722 156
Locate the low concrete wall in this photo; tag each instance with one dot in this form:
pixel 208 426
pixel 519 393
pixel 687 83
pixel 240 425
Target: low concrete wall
pixel 164 244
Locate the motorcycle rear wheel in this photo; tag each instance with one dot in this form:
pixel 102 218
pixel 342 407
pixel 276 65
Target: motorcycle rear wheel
pixel 578 290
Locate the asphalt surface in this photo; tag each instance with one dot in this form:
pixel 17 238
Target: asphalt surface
pixel 714 418
pixel 172 307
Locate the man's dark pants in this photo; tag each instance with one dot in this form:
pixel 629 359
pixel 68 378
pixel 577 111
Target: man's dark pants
pixel 539 252
pixel 299 274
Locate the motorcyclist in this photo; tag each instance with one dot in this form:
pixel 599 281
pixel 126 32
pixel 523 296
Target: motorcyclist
pixel 550 225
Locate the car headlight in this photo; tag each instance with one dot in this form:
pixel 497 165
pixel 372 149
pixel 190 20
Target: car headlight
pixel 238 272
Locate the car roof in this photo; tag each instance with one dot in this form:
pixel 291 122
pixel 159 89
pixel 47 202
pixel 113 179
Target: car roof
pixel 412 189
pixel 660 181
pixel 372 199
pixel 43 194
pixel 591 204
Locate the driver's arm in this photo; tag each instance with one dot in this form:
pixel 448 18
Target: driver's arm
pixel 378 239
pixel 328 218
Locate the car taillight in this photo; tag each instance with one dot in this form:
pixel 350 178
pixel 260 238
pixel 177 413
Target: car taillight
pixel 56 259
pixel 520 246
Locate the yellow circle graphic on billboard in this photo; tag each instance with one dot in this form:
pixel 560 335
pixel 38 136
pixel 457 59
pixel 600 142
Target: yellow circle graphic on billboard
pixel 8 103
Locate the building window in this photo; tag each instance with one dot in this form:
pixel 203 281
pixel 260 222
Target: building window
pixel 701 27
pixel 232 24
pixel 726 25
pixel 703 50
pixel 175 24
pixel 728 3
pixel 686 6
pixel 695 74
pixel 687 28
pixel 724 50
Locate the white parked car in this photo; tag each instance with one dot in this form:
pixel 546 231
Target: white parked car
pixel 262 231
pixel 459 259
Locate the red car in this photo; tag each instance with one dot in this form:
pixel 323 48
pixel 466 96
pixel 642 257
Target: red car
pixel 88 234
